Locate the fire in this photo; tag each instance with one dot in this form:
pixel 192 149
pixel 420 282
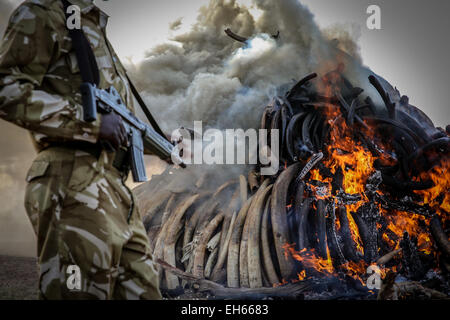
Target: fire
pixel 354 163
pixel 400 221
pixel 310 260
pixel 301 275
pixel 441 180
pixel 348 163
pixel 354 232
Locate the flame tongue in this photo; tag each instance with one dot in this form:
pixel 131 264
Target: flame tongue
pixel 345 170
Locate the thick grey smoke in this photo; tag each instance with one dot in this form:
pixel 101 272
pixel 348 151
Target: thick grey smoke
pixel 205 75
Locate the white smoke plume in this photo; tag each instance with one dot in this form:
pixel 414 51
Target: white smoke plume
pixel 205 75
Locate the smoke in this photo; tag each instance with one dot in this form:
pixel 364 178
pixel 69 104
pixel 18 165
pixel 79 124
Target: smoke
pixel 205 75
pixel 175 25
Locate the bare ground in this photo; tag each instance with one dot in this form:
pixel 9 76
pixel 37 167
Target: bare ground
pixel 18 278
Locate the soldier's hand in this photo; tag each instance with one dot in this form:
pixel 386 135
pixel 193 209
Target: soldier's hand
pixel 112 131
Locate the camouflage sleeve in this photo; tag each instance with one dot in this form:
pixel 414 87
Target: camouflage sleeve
pixel 29 46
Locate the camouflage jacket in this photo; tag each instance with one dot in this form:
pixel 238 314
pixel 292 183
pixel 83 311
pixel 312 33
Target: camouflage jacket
pixel 39 75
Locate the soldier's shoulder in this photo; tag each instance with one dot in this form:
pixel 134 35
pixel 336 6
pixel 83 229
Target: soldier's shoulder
pixel 46 4
pixel 31 10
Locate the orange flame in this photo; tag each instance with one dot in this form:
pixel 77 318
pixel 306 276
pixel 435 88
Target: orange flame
pixel 346 155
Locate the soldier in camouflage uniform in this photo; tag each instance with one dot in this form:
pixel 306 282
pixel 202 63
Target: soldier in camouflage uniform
pixel 76 198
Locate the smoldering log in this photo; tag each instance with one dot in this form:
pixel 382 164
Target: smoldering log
pixel 410 257
pixel 303 210
pixel 349 246
pixel 365 220
pixel 321 229
pixel 332 237
pixel 439 235
pixel 388 257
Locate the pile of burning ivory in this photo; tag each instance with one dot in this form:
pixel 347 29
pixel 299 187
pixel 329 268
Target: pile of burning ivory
pixel 360 185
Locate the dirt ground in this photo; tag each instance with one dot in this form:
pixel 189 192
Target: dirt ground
pixel 18 278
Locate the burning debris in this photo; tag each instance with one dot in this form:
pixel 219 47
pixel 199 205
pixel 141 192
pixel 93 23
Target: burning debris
pixel 359 186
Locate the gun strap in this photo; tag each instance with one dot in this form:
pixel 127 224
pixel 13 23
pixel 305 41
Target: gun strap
pixel 89 69
pixel 145 109
pixel 83 51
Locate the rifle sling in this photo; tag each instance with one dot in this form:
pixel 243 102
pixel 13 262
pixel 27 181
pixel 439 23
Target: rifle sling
pixel 90 72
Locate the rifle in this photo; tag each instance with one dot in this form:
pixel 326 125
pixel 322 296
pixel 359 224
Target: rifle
pixel 141 135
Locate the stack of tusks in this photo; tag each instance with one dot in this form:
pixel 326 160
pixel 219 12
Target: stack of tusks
pixel 224 236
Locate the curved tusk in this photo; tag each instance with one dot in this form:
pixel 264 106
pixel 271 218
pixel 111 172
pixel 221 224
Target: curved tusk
pixel 254 237
pixel 279 219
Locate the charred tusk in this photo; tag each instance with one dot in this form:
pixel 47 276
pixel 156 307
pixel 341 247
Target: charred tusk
pixel 309 165
pixel 234 36
pixel 321 229
pixel 290 133
pixel 265 118
pixel 301 83
pixel 387 257
pixel 439 235
pixel 305 131
pixel 279 218
pixel 284 122
pixel 303 241
pixel 332 238
pixel 345 233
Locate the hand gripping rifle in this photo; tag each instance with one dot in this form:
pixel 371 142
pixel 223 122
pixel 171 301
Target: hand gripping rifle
pixel 141 135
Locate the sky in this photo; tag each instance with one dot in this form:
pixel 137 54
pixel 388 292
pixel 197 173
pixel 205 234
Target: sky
pixel 410 51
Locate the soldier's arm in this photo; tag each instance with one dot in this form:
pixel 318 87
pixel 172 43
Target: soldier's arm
pixel 29 47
